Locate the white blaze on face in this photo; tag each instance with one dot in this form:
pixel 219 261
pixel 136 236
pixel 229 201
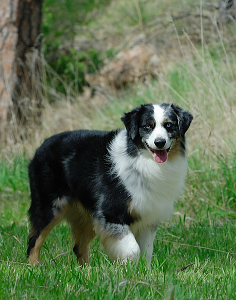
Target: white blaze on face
pixel 159 131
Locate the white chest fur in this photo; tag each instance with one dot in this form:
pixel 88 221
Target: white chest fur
pixel 153 187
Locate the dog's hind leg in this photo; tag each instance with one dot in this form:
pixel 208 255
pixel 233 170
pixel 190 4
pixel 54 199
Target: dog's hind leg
pixel 40 229
pixel 36 240
pixel 82 231
pixel 83 235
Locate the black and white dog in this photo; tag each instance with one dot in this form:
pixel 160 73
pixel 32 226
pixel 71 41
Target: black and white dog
pixel 116 185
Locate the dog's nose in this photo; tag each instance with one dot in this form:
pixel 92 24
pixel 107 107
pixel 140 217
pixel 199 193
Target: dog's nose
pixel 160 143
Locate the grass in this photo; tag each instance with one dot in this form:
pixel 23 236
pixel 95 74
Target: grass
pixel 194 254
pixel 207 247
pixel 209 272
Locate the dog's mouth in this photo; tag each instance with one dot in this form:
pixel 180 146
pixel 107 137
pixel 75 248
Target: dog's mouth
pixel 160 155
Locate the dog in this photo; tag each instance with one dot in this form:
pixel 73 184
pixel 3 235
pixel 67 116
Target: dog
pixel 117 185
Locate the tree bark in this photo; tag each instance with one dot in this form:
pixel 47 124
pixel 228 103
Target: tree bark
pixel 20 71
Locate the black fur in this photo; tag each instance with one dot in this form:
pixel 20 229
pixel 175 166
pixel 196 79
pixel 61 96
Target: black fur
pixel 75 165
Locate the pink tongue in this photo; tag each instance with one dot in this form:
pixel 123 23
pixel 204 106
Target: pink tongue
pixel 160 156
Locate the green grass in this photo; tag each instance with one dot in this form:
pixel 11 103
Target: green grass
pixel 200 237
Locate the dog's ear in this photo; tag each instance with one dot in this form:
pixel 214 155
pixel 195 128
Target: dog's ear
pixel 131 121
pixel 184 118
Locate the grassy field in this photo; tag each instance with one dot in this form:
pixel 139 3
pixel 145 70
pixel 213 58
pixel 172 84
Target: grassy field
pixel 195 253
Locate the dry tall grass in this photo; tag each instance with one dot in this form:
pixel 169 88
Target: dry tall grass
pixel 206 87
pixel 199 79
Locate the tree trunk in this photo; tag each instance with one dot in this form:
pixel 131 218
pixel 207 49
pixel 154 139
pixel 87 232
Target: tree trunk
pixel 20 73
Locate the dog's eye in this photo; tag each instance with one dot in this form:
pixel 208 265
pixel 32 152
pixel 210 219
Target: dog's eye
pixel 168 125
pixel 147 127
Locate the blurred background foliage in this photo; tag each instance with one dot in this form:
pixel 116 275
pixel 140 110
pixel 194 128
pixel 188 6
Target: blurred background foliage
pixel 63 21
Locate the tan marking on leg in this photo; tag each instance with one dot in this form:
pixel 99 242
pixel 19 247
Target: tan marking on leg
pixel 82 231
pixel 34 257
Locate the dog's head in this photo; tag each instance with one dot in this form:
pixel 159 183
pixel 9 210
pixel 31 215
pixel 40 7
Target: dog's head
pixel 157 128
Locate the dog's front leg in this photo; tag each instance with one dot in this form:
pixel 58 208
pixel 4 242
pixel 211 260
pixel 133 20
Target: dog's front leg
pixel 118 242
pixel 145 239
